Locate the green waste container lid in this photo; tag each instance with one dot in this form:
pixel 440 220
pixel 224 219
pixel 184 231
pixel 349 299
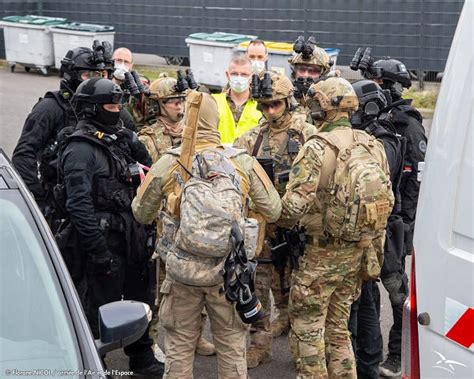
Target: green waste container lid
pixel 222 37
pixel 35 20
pixel 80 27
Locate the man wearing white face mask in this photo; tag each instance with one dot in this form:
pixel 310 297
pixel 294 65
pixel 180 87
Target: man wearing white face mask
pixel 258 55
pixel 123 59
pixel 237 111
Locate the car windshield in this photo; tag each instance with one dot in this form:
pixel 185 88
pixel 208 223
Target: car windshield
pixel 36 331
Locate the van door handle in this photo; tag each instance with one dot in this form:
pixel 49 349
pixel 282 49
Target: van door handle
pixel 424 319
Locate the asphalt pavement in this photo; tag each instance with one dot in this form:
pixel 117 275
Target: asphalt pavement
pixel 19 91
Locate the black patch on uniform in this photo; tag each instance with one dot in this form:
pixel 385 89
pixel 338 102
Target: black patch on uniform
pixel 76 180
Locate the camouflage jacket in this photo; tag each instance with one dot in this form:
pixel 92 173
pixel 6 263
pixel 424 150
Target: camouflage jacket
pixel 156 141
pixel 156 188
pixel 281 145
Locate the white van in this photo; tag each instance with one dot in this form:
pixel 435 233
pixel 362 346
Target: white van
pixel 438 331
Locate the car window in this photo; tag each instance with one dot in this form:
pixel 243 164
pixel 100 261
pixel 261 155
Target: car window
pixel 36 331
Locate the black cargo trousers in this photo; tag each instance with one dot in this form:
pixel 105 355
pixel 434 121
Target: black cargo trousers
pixel 364 322
pixel 129 281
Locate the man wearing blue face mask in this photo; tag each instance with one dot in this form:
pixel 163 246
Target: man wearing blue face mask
pixel 237 111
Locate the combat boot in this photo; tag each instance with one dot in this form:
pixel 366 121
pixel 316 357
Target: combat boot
pixel 280 326
pixel 204 347
pixel 257 355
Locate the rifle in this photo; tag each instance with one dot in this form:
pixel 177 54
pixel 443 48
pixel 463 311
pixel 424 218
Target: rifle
pixel 287 248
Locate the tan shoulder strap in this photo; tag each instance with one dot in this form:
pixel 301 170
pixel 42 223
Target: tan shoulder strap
pixel 186 156
pixel 188 143
pixel 258 142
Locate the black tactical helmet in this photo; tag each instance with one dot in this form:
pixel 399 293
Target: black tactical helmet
pixel 75 61
pixel 95 91
pixel 394 71
pixel 372 99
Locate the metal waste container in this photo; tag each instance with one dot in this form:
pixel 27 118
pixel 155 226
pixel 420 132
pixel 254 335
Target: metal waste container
pixel 29 42
pixel 210 54
pixel 75 34
pixel 279 52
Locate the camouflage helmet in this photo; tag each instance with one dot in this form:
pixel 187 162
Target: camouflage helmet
pixel 319 57
pixel 282 88
pixel 164 88
pixel 334 94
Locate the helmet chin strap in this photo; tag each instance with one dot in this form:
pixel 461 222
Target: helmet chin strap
pixel 165 115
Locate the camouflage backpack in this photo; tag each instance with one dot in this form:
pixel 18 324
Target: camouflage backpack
pixel 359 197
pixel 211 200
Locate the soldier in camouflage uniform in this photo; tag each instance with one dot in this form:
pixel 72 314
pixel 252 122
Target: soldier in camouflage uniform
pixel 279 136
pixel 306 70
pixel 182 304
pixel 329 275
pixel 167 106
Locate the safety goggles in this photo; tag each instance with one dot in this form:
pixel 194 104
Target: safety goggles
pixel 88 74
pixel 174 101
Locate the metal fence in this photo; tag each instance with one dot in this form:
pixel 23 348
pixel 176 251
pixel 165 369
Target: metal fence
pixel 418 32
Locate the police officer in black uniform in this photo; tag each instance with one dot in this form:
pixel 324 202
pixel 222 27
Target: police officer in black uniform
pixel 47 118
pixel 364 322
pixel 99 171
pixel 38 141
pixel 393 76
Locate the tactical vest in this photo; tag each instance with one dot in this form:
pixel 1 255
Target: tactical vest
pixel 282 155
pixel 227 128
pixel 112 193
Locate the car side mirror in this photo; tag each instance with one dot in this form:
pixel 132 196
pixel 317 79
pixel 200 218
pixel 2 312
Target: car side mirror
pixel 120 324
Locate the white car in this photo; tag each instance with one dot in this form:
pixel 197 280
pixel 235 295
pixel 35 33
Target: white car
pixel 43 329
pixel 438 331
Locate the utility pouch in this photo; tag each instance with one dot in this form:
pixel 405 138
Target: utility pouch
pixel 267 165
pixel 165 242
pixel 251 234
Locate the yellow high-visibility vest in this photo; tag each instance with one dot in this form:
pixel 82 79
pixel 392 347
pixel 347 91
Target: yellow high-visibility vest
pixel 248 119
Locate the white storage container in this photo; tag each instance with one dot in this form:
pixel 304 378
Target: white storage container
pixel 210 54
pixel 70 36
pixel 29 42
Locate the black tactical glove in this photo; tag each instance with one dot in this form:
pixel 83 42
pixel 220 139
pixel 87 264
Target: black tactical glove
pixel 137 149
pixel 102 264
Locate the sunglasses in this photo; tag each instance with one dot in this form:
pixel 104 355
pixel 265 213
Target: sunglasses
pixel 273 104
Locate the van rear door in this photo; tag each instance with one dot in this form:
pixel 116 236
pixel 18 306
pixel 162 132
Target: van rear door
pixel 444 232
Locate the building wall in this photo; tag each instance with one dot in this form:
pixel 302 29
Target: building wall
pixel 418 32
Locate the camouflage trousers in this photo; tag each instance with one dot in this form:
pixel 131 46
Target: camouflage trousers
pixel 154 323
pixel 180 315
pixel 323 289
pixel 268 278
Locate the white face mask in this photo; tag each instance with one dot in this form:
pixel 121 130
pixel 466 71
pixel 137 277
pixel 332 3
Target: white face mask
pixel 257 66
pixel 238 84
pixel 121 66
